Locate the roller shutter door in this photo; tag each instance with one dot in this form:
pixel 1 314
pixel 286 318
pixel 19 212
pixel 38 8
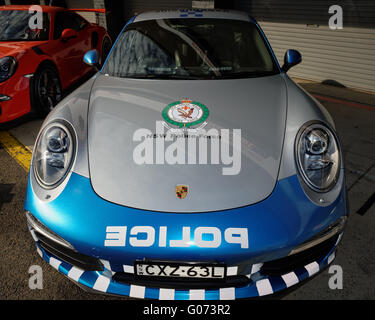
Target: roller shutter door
pixel 137 6
pixel 346 56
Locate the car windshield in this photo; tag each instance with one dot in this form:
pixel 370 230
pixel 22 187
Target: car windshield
pixel 18 25
pixel 191 49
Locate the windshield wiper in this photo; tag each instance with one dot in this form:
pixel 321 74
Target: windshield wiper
pixel 160 76
pixel 246 74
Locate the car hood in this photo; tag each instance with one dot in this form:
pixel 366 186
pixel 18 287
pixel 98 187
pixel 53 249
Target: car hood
pixel 125 117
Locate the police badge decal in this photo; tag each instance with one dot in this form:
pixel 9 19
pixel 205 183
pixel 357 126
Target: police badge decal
pixel 185 114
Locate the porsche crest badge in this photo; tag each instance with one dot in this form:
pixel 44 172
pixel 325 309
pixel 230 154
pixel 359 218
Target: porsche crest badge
pixel 181 191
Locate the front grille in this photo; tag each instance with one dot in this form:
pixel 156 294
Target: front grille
pixel 63 253
pixel 181 283
pixel 298 260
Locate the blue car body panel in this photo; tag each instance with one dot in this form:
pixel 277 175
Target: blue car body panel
pixel 275 226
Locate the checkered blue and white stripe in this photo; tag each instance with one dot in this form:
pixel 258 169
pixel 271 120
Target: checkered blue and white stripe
pixel 259 286
pixel 191 13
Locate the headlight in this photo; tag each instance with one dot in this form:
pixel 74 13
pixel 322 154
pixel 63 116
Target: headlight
pixel 8 66
pixel 318 157
pixel 53 154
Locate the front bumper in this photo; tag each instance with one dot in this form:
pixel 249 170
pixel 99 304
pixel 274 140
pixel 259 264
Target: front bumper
pixel 262 281
pixel 284 222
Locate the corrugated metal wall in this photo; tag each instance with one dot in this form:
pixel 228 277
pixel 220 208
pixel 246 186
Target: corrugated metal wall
pixel 137 6
pixel 346 56
pixel 357 13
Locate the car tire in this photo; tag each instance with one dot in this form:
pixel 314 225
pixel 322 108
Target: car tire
pixel 46 89
pixel 106 48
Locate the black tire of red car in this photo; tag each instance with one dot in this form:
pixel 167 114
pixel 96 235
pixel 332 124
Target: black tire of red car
pixel 45 89
pixel 106 48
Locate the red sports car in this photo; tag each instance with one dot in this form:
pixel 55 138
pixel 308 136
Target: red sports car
pixel 38 63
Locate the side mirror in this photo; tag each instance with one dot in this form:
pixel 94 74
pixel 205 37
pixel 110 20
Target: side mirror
pixel 92 58
pixel 291 58
pixel 68 34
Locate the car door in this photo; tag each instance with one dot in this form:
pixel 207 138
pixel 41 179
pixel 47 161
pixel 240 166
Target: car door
pixel 69 53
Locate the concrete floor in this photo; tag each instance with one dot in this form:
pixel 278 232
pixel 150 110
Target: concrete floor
pixel 354 115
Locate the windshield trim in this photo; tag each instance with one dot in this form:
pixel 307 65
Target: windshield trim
pixel 233 76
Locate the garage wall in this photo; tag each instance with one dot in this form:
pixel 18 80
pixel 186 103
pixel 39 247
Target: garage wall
pixel 357 13
pixel 89 16
pixel 80 3
pixel 137 6
pixel 120 11
pixel 346 56
pixel 21 2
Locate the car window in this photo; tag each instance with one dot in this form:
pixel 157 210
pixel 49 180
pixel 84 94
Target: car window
pixel 67 20
pixel 14 26
pixel 191 49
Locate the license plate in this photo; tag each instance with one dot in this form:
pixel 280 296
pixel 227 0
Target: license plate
pixel 180 270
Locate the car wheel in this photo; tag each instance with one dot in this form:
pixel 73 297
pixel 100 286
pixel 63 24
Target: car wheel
pixel 106 48
pixel 46 90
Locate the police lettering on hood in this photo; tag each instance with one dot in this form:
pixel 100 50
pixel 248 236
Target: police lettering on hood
pixel 118 236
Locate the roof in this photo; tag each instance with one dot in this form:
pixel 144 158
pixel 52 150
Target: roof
pixel 194 13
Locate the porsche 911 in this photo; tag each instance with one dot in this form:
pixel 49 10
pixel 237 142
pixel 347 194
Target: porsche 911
pixel 189 167
pixel 41 56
